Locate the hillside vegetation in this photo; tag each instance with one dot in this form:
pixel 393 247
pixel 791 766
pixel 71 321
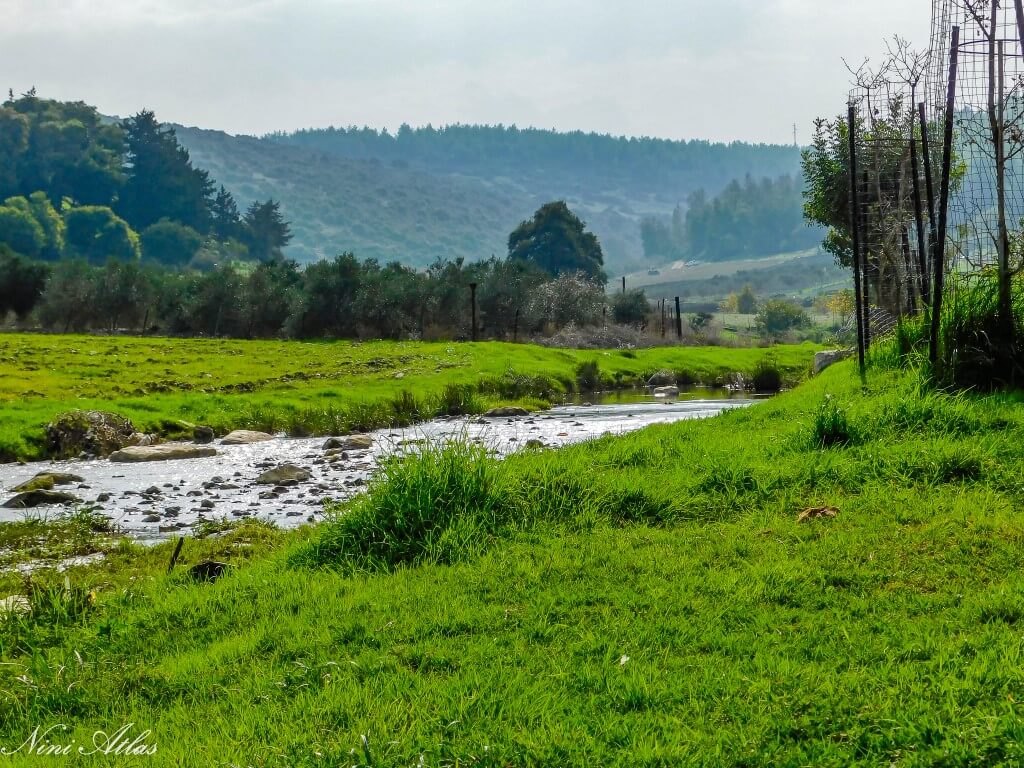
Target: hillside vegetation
pixel 458 191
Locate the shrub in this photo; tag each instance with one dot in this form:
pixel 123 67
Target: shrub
pixel 779 316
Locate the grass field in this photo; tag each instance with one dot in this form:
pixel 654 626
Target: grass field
pixel 648 599
pixel 308 387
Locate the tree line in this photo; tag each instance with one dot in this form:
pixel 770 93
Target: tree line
pixel 341 297
pixel 640 165
pixel 75 185
pixel 748 219
pixel 553 277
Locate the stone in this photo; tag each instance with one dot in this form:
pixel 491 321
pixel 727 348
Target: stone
pixel 823 360
pixel 662 378
pixel 37 483
pixel 41 498
pixel 245 437
pixel 282 474
pixel 151 491
pixel 203 435
pixel 103 497
pixel 207 504
pixel 671 391
pixel 535 443
pixel 15 605
pixel 500 413
pixel 349 443
pixel 164 452
pixel 151 519
pixel 46 480
pixel 95 433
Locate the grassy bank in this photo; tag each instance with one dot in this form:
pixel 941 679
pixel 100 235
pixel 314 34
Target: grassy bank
pixel 312 388
pixel 643 600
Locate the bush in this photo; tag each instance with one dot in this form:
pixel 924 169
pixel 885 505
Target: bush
pixel 631 308
pixel 779 316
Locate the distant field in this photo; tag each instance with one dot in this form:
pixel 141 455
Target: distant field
pixel 304 386
pixel 678 272
pixel 794 275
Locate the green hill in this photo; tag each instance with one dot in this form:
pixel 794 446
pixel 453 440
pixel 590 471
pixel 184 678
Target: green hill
pixel 459 191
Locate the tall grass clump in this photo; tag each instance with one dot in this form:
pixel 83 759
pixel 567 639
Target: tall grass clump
pixel 515 385
pixel 976 351
pixel 588 376
pixel 766 376
pixel 458 400
pixel 440 505
pixel 832 426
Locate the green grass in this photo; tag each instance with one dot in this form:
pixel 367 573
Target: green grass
pixel 308 388
pixel 641 600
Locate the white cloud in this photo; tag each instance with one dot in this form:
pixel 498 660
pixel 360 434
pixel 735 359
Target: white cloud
pixel 682 68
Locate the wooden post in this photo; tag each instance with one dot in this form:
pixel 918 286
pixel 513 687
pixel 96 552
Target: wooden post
pixel 679 320
pixel 472 302
pixel 851 122
pixel 922 260
pixel 177 552
pixel 515 327
pixel 909 266
pixel 933 232
pixel 947 161
pixel 1019 6
pixel 623 283
pixel 663 318
pixel 868 267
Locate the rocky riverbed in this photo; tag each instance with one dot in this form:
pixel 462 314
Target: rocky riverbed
pixel 287 481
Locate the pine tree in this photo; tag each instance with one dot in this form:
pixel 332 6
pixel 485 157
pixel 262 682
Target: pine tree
pixel 161 181
pixel 266 231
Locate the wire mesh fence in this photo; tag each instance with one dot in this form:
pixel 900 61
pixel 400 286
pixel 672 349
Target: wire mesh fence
pixel 937 164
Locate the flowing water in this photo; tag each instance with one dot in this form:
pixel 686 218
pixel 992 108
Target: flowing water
pixel 156 500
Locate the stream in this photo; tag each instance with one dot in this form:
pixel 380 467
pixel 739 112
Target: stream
pixel 152 501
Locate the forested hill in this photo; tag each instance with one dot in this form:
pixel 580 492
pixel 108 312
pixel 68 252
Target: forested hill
pixel 577 162
pixel 458 191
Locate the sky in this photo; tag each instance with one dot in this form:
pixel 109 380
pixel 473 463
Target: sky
pixel 720 70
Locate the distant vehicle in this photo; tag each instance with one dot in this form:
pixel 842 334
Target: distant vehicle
pixel 653 272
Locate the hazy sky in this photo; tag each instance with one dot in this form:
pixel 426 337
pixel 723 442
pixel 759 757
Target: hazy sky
pixel 715 69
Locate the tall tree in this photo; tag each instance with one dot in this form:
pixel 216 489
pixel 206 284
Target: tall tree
pixel 556 240
pixel 161 181
pixel 227 223
pixel 266 231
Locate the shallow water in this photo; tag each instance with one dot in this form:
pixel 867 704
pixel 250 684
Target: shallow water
pixel 223 486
